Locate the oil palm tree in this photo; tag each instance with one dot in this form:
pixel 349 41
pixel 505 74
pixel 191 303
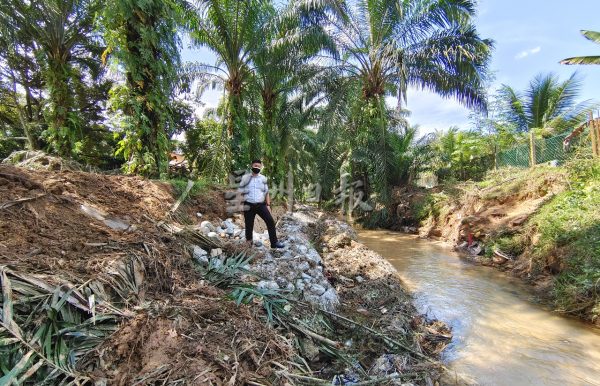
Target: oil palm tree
pixel 590 35
pixel 233 31
pixel 285 79
pixel 387 46
pixel 547 105
pixel 62 32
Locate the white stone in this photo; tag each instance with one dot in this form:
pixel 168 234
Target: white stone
pixel 330 299
pixel 317 289
pixel 267 284
pixel 207 224
pixel 200 254
pixel 302 249
pixel 304 266
pixel 216 252
pixel 212 234
pixel 313 255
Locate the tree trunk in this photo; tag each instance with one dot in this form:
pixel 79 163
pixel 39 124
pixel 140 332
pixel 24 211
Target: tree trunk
pixel 31 140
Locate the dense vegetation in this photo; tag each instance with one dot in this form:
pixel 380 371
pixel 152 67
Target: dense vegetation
pixel 307 87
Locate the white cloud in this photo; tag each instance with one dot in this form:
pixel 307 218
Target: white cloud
pixel 526 53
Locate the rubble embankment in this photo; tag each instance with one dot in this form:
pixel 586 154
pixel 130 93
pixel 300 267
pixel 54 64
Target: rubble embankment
pixel 137 287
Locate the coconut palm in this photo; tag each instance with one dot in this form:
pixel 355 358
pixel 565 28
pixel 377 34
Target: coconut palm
pixel 547 105
pixel 590 35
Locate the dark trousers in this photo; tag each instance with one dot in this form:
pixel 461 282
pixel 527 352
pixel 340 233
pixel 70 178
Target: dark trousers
pixel 263 212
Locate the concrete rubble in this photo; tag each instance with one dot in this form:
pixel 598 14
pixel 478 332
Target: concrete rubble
pixel 296 269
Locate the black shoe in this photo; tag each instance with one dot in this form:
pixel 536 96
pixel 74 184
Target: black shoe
pixel 278 244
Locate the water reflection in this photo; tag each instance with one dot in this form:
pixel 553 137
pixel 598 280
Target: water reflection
pixel 500 336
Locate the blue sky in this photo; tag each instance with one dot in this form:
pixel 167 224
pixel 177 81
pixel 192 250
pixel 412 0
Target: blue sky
pixel 531 36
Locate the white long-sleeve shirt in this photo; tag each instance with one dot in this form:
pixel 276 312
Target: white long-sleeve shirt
pixel 255 188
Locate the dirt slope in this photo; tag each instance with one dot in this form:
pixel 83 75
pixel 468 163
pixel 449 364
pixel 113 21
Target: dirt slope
pixel 79 251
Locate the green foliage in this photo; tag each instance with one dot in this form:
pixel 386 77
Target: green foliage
pixel 569 229
pixel 142 37
pixel 459 155
pixel 205 148
pixel 52 41
pixel 46 329
pixel 548 105
pixel 514 245
pixel 225 274
pixel 593 36
pixel 386 47
pixel 233 30
pixel 200 186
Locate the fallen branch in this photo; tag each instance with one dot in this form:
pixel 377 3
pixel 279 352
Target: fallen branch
pixel 188 188
pixel 382 336
pixel 8 204
pixel 316 336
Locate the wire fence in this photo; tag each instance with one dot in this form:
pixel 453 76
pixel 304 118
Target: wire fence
pixel 536 151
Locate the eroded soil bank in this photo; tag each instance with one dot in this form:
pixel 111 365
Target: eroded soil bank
pixel 542 225
pixel 107 280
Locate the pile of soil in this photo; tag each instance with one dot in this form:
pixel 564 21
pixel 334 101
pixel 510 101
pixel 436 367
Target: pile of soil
pixel 371 291
pixel 180 328
pixel 74 229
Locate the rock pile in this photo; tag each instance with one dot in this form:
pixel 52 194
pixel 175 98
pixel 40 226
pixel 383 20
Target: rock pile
pixel 296 269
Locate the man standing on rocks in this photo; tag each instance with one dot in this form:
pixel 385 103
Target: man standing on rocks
pixel 257 201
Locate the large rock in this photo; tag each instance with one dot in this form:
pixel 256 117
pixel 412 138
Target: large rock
pixel 207 224
pixel 200 254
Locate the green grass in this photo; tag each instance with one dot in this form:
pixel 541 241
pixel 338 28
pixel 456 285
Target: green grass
pixel 179 185
pixel 569 228
pixel 514 245
pixel 563 237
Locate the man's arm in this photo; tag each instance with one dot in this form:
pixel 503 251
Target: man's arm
pixel 267 196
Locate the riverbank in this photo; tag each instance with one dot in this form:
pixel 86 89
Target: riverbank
pixel 501 335
pixel 121 280
pixel 541 225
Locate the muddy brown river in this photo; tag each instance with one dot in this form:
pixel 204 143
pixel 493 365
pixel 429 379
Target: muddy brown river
pixel 501 336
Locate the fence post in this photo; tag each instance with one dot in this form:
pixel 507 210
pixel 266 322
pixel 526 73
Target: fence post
pixel 290 189
pixel 531 149
pixel 592 128
pixel 597 126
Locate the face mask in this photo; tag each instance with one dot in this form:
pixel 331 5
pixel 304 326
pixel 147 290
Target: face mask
pixel 255 170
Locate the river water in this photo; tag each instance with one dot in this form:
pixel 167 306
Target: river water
pixel 500 335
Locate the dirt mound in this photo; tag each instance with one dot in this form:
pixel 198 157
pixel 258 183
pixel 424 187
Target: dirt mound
pixel 45 228
pixel 39 160
pixel 98 236
pixel 372 293
pixel 473 212
pixel 197 339
pixel 101 284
